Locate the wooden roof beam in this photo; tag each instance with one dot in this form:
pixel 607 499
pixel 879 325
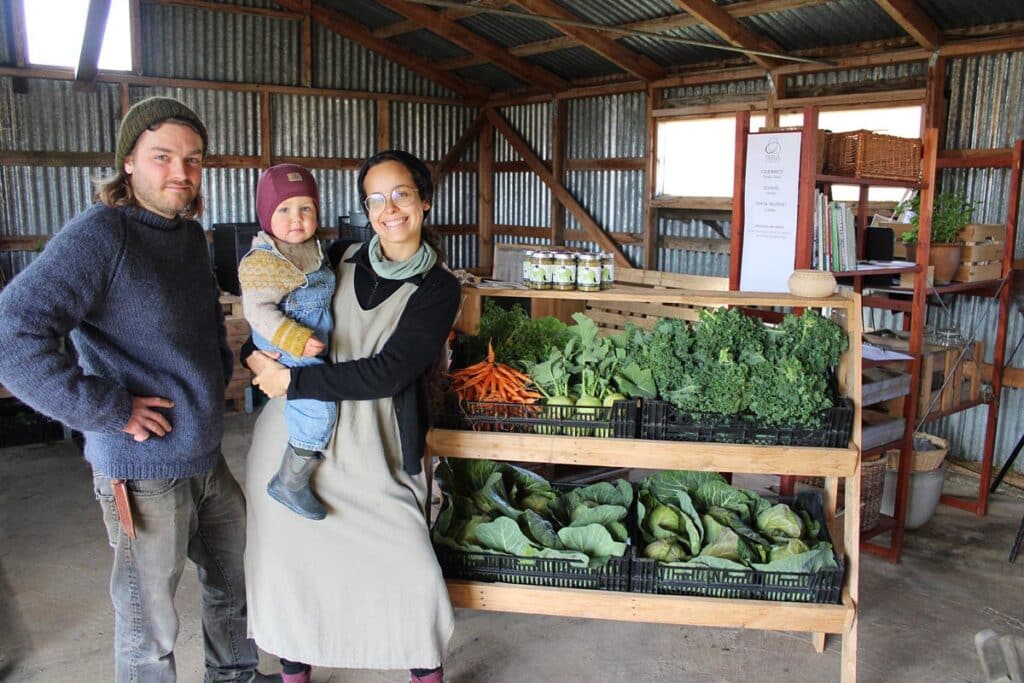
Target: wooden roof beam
pixel 92 41
pixel 749 8
pixel 408 26
pixel 344 26
pixel 731 30
pixel 449 29
pixel 633 62
pixel 594 231
pixel 912 19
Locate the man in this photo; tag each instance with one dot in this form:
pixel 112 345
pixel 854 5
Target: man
pixel 130 281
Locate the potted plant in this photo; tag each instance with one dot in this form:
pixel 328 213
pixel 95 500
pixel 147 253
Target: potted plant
pixel 950 213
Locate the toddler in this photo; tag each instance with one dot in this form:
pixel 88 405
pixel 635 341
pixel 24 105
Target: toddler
pixel 287 288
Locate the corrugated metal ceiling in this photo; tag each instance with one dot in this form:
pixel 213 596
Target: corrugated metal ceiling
pixel 805 26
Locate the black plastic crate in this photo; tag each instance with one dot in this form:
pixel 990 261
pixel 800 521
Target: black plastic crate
pixel 20 425
pixel 231 241
pixel 617 421
pixel 534 571
pixel 662 421
pixel 349 232
pixel 823 586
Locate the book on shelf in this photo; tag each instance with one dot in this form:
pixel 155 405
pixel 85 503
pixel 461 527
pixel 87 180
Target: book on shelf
pixel 834 238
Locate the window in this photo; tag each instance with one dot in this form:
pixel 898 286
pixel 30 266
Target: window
pixel 55 28
pixel 696 155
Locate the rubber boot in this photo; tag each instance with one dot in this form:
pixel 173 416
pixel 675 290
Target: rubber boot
pixel 290 486
pixel 435 676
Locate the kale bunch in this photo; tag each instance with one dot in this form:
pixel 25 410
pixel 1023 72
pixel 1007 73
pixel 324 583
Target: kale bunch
pixel 518 341
pixel 792 387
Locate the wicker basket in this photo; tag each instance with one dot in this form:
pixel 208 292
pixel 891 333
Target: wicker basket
pixel 924 461
pixel 863 154
pixel 872 481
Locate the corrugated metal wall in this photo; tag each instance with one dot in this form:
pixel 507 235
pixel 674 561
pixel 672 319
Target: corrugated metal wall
pixel 986 110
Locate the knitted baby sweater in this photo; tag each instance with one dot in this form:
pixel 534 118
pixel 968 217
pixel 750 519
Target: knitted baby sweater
pixel 267 274
pixel 137 294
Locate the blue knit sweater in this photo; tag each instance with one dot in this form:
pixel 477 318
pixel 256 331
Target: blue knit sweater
pixel 136 292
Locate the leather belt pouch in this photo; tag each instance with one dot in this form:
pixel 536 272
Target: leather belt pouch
pixel 124 508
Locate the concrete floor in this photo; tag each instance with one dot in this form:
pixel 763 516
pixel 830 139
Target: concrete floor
pixel 917 620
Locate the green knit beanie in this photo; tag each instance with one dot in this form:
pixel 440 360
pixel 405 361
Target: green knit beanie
pixel 145 114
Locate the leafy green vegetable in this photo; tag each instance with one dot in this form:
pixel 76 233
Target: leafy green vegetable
pixel 500 508
pixel 516 338
pixel 699 520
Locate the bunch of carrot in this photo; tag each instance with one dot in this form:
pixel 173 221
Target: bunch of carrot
pixel 491 381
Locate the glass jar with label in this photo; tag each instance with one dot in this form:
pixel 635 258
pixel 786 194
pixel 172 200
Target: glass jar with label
pixel 527 267
pixel 588 273
pixel 565 271
pixel 542 275
pixel 607 270
pixel 535 273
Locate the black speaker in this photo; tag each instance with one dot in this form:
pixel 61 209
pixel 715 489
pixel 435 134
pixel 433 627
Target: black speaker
pixel 231 241
pixel 879 244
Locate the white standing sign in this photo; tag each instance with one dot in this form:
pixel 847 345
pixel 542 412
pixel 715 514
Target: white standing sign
pixel 769 209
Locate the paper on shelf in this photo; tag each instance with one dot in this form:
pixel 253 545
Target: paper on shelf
pixel 881 353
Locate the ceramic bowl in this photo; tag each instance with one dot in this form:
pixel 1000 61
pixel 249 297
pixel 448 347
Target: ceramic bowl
pixel 812 284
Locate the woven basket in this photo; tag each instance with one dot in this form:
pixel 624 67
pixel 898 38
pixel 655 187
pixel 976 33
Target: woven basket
pixel 863 154
pixel 872 481
pixel 924 461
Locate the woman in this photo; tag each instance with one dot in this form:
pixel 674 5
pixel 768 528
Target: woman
pixel 362 588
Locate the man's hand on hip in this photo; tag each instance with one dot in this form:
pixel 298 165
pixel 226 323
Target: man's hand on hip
pixel 145 421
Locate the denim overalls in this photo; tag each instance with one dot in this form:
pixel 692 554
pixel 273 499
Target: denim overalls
pixel 310 422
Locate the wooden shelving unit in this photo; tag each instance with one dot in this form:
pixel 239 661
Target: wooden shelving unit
pixel 833 464
pixel 911 301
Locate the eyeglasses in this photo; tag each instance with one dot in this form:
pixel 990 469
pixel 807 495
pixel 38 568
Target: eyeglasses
pixel 403 195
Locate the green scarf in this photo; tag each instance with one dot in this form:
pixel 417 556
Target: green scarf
pixel 417 264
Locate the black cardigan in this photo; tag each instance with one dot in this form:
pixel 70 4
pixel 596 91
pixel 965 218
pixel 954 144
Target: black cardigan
pixel 402 367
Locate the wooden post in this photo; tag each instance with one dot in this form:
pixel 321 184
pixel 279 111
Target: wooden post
pixel 559 134
pixel 805 199
pixel 383 124
pixel 265 129
pixel 936 104
pixel 650 227
pixel 738 197
pixel 307 44
pixel 135 28
pixel 485 196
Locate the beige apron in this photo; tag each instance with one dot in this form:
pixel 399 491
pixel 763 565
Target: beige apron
pixel 360 589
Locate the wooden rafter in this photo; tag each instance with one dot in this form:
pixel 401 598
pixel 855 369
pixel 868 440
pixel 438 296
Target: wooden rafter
pixel 92 41
pixel 749 8
pixel 449 29
pixel 408 26
pixel 912 19
pixel 347 28
pixel 455 153
pixel 615 52
pixel 593 230
pixel 730 29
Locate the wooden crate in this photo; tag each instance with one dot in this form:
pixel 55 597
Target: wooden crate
pixel 980 232
pixel 613 315
pixel 979 252
pixel 238 332
pixel 907 279
pixel 941 362
pixel 978 272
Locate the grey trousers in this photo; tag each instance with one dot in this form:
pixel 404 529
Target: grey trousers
pixel 201 518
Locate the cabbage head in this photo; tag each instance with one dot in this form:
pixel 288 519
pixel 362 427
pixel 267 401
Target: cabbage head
pixel 779 521
pixel 666 550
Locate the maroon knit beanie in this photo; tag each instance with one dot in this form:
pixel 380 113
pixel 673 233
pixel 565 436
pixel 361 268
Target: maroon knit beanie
pixel 282 182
